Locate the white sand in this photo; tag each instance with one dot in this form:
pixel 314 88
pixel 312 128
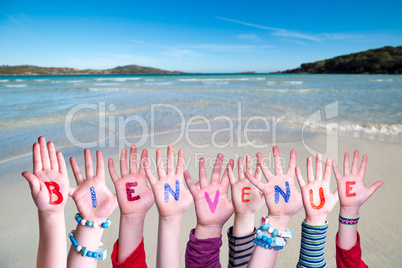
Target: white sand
pixel 379 225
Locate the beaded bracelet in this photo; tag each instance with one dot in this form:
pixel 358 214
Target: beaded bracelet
pixel 278 240
pixel 349 221
pixel 99 254
pixel 93 224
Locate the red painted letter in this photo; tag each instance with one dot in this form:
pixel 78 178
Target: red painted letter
pixel 349 188
pixel 243 193
pixel 54 188
pixel 130 191
pixel 322 198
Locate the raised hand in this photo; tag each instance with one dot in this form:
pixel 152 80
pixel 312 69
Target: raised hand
pixel 171 197
pixel 352 192
pixel 317 197
pixel 281 195
pixel 133 194
pixel 92 197
pixel 49 182
pixel 246 198
pixel 212 205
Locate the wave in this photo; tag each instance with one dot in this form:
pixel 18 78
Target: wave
pixel 4 81
pixel 119 79
pixel 41 80
pixel 215 83
pixel 382 80
pixel 213 79
pixel 21 85
pixel 106 84
pixel 285 82
pixel 107 89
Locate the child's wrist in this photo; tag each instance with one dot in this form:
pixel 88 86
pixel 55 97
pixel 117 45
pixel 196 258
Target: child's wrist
pixel 279 222
pixel 349 212
pixel 174 219
pixel 243 224
pixel 51 214
pixel 207 231
pixel 132 219
pixel 316 220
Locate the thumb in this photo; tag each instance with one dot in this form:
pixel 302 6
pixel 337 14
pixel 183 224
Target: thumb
pixel 374 187
pixel 32 180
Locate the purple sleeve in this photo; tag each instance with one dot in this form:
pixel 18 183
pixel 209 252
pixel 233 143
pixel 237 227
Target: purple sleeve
pixel 203 252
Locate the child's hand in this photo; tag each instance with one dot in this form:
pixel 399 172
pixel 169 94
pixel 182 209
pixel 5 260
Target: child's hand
pixel 212 206
pixel 171 197
pixel 281 196
pixel 49 182
pixel 246 198
pixel 133 194
pixel 317 197
pixel 93 199
pixel 351 190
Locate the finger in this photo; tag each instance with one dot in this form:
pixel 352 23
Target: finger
pixel 54 165
pixel 374 188
pixel 318 167
pixel 267 173
pixel 150 176
pixel 255 182
pixel 232 178
pixel 32 180
pixel 133 159
pixel 170 162
pixel 225 176
pixel 112 171
pixel 310 170
pixel 258 172
pixel 100 166
pixel 61 164
pixel 44 153
pixel 202 173
pixel 300 179
pixel 180 162
pixel 159 164
pixel 216 171
pixel 338 175
pixel 37 160
pixel 355 163
pixel 346 170
pixel 249 167
pixel 327 171
pixel 240 169
pixel 71 191
pixel 190 184
pixel 144 157
pixel 292 164
pixel 89 172
pixel 123 162
pixel 277 161
pixel 76 171
pixel 363 166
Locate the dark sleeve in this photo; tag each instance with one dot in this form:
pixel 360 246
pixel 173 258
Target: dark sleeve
pixel 135 260
pixel 201 253
pixel 240 249
pixel 349 258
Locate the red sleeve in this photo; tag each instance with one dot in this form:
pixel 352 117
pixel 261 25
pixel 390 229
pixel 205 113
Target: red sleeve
pixel 349 258
pixel 135 260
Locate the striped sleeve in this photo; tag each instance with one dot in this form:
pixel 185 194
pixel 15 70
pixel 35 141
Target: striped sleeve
pixel 240 249
pixel 312 245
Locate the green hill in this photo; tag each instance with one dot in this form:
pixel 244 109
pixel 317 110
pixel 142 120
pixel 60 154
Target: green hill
pixel 386 60
pixel 36 70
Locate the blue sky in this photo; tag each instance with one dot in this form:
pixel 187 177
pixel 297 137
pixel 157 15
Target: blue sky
pixel 192 36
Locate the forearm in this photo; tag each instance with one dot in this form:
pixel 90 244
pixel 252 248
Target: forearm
pixel 86 237
pixel 243 224
pixel 130 235
pixel 52 249
pixel 268 256
pixel 347 234
pixel 168 251
pixel 313 238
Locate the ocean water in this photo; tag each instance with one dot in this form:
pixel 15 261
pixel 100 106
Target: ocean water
pixel 80 110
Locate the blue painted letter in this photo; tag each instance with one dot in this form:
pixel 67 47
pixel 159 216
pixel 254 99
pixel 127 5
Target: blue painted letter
pixel 278 191
pixel 169 189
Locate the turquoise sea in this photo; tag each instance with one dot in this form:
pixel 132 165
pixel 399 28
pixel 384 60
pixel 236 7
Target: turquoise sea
pixel 363 106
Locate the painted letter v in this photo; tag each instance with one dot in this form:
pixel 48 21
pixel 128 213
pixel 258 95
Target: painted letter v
pixel 212 205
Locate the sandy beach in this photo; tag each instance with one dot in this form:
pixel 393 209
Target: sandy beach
pixel 379 222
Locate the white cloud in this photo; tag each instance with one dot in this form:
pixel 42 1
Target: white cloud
pixel 250 37
pixel 276 31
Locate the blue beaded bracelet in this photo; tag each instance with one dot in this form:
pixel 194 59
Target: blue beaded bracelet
pixel 99 254
pixel 93 224
pixel 278 240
